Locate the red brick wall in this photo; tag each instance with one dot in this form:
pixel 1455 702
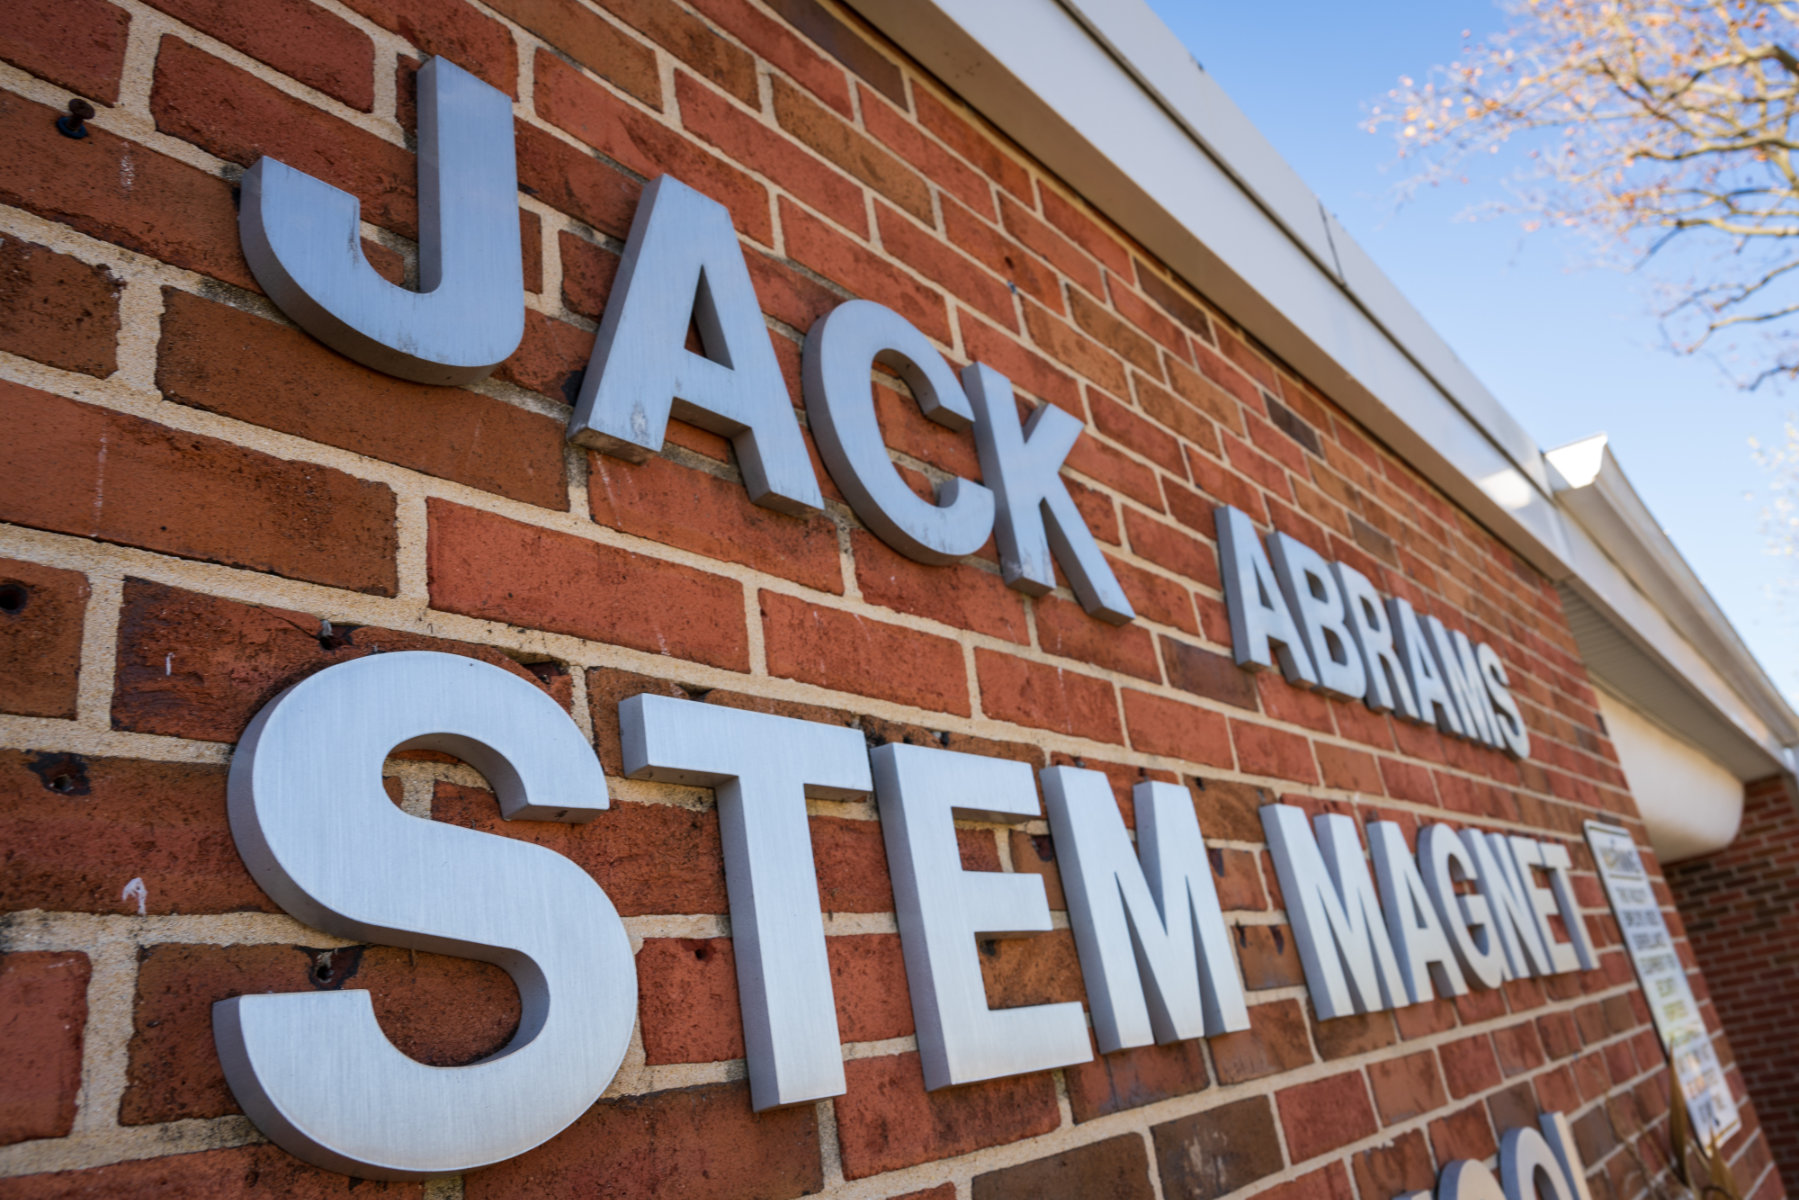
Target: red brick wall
pixel 1742 912
pixel 201 505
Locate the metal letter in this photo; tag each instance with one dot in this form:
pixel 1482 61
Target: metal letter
pixel 1557 862
pixel 1530 1168
pixel 1153 947
pixel 1254 601
pixel 1466 1179
pixel 1567 1152
pixel 682 265
pixel 762 768
pixel 1496 873
pixel 300 237
pixel 1337 922
pixel 1467 919
pixel 313 1070
pixel 1507 719
pixel 1422 947
pixel 942 909
pixel 1435 705
pixel 1314 597
pixel 1461 676
pixel 840 351
pixel 1527 853
pixel 1388 688
pixel 1035 514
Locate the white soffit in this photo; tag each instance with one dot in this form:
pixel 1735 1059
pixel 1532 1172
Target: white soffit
pixel 1690 805
pixel 1194 181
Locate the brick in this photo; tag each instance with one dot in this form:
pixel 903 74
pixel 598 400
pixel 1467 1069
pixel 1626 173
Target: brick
pixel 814 244
pixel 925 252
pixel 1027 370
pixel 1215 1152
pixel 977 237
pixel 1041 968
pixel 1081 354
pixel 1034 854
pixel 577 183
pixel 117 191
pixel 1320 1116
pixel 1274 1043
pixel 1063 628
pixel 1351 770
pixel 82 470
pixel 781 48
pixel 298 39
pixel 1345 1037
pixel 1104 326
pixel 1051 246
pixel 959 594
pixel 1205 673
pixel 1228 809
pixel 844 44
pixel 1045 697
pixel 1519 1049
pixel 440 1010
pixel 843 144
pixel 1169 548
pixel 1238 880
pixel 690 40
pixel 42 613
pixel 1085 232
pixel 587 274
pixel 886 1119
pixel 748 140
pixel 868 979
pixel 1176 729
pixel 851 860
pixel 77 45
pixel 700 1143
pixel 1465 1133
pixel 43 1015
pixel 592 41
pixel 228 361
pixel 687 1007
pixel 1117 1167
pixel 78 829
pixel 848 652
pixel 1406 1087
pixel 454 29
pixel 199 666
pixel 550 359
pixel 902 135
pixel 574 103
pixel 57 309
pixel 486 566
pixel 1264 750
pixel 677 506
pixel 242 1173
pixel 1129 1079
pixel 1397 1168
pixel 1168 295
pixel 240 118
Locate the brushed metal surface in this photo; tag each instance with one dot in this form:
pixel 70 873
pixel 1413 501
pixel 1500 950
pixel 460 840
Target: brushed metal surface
pixel 841 350
pixel 1462 675
pixel 1036 522
pixel 762 768
pixel 1262 627
pixel 1507 720
pixel 1467 1179
pixel 1388 688
pixel 1154 950
pixel 1419 941
pixel 683 266
pixel 313 1070
pixel 1429 690
pixel 1338 926
pixel 1495 874
pixel 1560 1136
pixel 1444 861
pixel 1315 599
pixel 301 237
pixel 1527 859
pixel 1530 1167
pixel 943 909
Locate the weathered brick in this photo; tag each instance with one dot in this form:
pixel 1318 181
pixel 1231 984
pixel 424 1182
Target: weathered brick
pixel 57 309
pixel 1469 1065
pixel 848 652
pixel 1131 1078
pixel 79 829
pixel 486 566
pixel 688 39
pixel 1045 697
pixel 1217 1151
pixel 1205 673
pixel 868 979
pixel 816 245
pixel 241 1173
pixel 42 613
pixel 200 666
pixel 240 118
pixel 43 1016
pixel 687 1005
pixel 592 41
pixel 700 1143
pixel 1064 628
pixel 576 104
pixel 440 1010
pixel 1398 1168
pixel 577 183
pixel 1406 1087
pixel 76 44
pixel 302 40
pixel 1320 1116
pixel 1117 1167
pixel 779 46
pixel 1274 1043
pixel 922 250
pixel 1466 1133
pixel 82 470
pixel 1178 730
pixel 1089 359
pixel 1041 968
pixel 228 361
pixel 958 594
pixel 1052 247
pixel 901 134
pixel 844 44
pixel 1264 750
pixel 886 1120
pixel 1345 1037
pixel 456 30
pixel 1238 879
pixel 678 506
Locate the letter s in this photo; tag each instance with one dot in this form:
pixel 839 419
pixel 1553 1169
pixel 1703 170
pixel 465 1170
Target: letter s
pixel 313 1070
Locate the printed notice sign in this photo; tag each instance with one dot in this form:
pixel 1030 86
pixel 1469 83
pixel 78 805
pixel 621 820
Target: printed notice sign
pixel 1671 1003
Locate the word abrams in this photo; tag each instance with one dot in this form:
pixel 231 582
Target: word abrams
pixel 1331 630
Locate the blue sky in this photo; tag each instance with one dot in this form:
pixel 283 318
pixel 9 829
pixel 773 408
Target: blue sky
pixel 1570 350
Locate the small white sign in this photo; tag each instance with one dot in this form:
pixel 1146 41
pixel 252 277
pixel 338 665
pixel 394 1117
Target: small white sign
pixel 1671 1003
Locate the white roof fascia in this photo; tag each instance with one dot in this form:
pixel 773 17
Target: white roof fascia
pixel 1203 190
